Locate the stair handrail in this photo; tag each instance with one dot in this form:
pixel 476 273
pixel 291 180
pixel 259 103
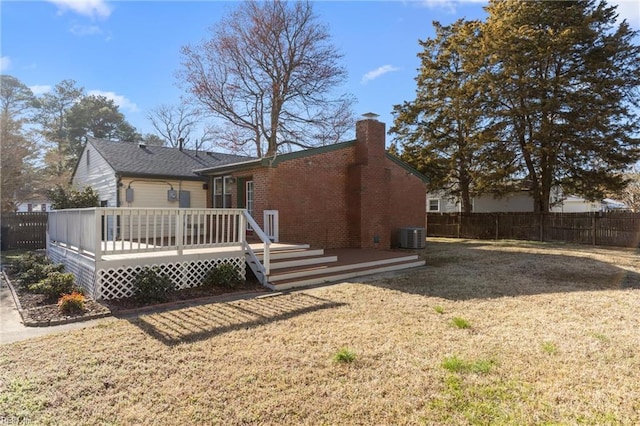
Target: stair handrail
pixel 264 266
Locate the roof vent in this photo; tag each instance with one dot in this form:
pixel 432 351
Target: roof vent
pixel 142 145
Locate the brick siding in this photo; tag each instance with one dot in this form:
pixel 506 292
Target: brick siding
pixel 353 196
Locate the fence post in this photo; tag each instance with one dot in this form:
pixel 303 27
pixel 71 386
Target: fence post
pixel 459 220
pixel 497 225
pixel 541 219
pixel 593 227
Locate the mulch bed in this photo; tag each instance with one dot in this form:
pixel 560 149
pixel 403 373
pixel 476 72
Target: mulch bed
pixel 39 311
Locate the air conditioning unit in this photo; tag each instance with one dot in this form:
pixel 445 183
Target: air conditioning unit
pixel 412 238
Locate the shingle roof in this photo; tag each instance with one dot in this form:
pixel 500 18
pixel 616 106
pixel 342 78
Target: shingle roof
pixel 132 159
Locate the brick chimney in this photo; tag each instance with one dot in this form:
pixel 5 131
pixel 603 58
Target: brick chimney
pixel 368 187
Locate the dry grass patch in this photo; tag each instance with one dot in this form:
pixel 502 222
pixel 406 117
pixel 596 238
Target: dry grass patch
pixel 271 360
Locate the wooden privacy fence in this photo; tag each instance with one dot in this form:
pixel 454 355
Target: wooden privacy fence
pixel 26 230
pixel 596 228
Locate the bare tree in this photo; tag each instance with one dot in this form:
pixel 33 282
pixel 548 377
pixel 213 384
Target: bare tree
pixel 174 123
pixel 268 70
pixel 630 195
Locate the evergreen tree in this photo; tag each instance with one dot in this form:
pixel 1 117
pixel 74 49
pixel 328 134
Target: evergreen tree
pixel 564 81
pixel 97 117
pixel 17 146
pixel 446 132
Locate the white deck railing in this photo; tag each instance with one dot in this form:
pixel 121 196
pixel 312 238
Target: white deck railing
pixel 103 231
pixel 108 230
pixel 262 269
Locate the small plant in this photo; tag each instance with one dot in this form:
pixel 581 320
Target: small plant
pixel 458 365
pixel 549 348
pixel 223 275
pixel 55 284
pixel 70 304
pixel 150 285
pixel 439 309
pixel 454 364
pixel 344 356
pixel 460 322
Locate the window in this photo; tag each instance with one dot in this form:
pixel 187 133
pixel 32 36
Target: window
pixel 222 187
pixel 249 200
pixel 434 204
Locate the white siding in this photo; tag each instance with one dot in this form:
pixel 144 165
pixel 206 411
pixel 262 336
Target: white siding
pixel 577 205
pixel 445 204
pixel 96 173
pixel 520 202
pixel 153 193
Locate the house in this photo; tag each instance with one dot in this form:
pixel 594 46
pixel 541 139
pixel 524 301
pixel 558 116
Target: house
pixel 351 199
pixel 350 194
pixel 35 205
pixel 139 175
pixel 520 201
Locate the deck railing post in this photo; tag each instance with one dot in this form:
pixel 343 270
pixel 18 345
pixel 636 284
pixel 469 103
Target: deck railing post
pixel 179 231
pixel 97 243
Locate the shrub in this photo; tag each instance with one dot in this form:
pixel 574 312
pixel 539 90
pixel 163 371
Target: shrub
pixel 39 272
pixel 223 275
pixel 26 261
pixel 151 286
pixel 69 198
pixel 70 304
pixel 54 285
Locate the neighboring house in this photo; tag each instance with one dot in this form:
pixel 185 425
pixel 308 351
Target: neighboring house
pixel 350 194
pixel 522 201
pixel 437 202
pixel 573 204
pixel 39 205
pixel 137 175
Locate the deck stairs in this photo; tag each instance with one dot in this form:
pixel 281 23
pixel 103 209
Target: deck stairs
pixel 298 265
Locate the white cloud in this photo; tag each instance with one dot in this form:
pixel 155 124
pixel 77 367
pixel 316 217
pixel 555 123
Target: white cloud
pixel 39 89
pixel 119 100
pixel 372 75
pixel 83 30
pixel 448 6
pixel 5 63
pixel 90 8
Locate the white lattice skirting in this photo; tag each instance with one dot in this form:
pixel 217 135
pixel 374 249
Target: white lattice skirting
pixel 82 267
pixel 117 282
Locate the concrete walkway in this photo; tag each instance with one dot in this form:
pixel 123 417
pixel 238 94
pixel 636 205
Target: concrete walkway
pixel 12 329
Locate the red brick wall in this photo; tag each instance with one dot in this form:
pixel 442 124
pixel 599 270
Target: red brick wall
pixel 407 200
pixel 310 195
pixel 375 185
pixel 349 197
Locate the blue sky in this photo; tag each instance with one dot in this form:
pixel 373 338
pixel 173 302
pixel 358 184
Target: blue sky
pixel 130 50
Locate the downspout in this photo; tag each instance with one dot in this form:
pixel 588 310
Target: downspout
pixel 118 183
